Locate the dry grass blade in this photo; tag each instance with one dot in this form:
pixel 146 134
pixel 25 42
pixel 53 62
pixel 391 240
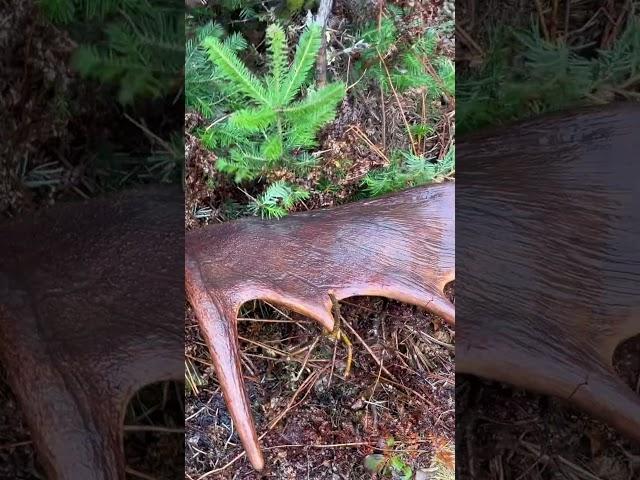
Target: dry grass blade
pixel 9 446
pixel 395 94
pixel 304 387
pixel 371 145
pixel 369 350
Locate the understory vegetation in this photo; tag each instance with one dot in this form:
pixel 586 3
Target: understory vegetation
pixel 270 108
pixel 527 70
pixel 133 52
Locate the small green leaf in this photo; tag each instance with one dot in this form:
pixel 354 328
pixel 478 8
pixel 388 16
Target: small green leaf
pixel 407 473
pixel 397 463
pixel 374 462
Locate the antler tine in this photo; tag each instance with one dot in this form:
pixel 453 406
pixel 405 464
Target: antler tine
pixel 218 322
pixel 604 395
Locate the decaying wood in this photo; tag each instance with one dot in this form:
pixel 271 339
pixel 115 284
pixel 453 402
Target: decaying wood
pixel 400 246
pixel 322 18
pixel 549 264
pixel 90 312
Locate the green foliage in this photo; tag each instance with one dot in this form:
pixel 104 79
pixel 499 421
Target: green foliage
pixel 524 74
pixel 408 170
pixel 162 163
pixel 206 91
pixel 416 66
pixel 388 465
pixel 390 59
pixel 243 10
pixel 139 46
pixel 277 200
pixel 399 469
pixel 276 123
pixel 66 11
pixel 294 5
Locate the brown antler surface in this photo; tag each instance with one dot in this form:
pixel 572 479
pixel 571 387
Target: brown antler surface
pixel 400 246
pixel 549 214
pixel 89 314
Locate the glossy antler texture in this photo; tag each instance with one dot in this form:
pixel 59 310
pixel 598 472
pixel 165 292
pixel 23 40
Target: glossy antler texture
pixel 549 214
pixel 400 247
pixel 90 312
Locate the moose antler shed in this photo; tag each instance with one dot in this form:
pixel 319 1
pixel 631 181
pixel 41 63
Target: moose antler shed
pixel 550 281
pixel 370 247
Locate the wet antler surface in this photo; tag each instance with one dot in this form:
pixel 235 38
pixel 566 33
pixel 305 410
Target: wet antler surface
pixel 549 259
pixel 400 247
pixel 90 312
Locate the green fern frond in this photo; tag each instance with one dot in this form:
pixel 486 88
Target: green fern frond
pixel 224 135
pixel 408 170
pixel 301 137
pixel 205 90
pixel 272 148
pixel 378 38
pixel 427 44
pixel 64 11
pixel 327 98
pixel 621 63
pixel 60 11
pixel 309 115
pixel 274 128
pixel 235 42
pixel 447 73
pixel 144 53
pixel 545 76
pixel 135 79
pixel 277 200
pixel 102 8
pixel 201 92
pixel 408 69
pixel 243 163
pixel 271 127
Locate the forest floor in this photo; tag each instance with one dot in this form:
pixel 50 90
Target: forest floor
pixel 330 424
